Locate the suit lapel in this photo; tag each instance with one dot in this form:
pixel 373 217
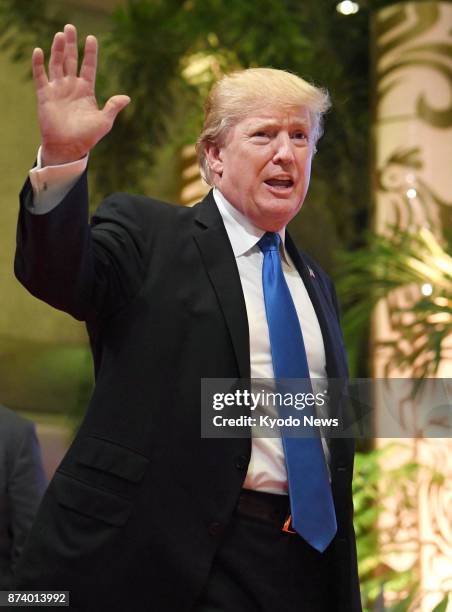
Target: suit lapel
pixel 335 356
pixel 218 258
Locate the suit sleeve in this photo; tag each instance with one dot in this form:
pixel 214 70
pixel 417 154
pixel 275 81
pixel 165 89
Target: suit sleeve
pixel 26 486
pixel 83 269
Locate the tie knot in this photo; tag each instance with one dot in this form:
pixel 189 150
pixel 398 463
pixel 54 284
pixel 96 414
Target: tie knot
pixel 269 242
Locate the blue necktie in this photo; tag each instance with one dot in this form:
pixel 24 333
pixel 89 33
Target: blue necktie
pixel 311 500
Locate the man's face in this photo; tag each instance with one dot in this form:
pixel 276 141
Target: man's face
pixel 264 166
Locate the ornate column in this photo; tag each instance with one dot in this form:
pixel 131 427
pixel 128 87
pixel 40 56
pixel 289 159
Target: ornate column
pixel 412 186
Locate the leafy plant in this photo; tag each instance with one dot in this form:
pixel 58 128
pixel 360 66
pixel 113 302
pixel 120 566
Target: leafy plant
pixel 413 260
pixel 442 606
pixel 373 488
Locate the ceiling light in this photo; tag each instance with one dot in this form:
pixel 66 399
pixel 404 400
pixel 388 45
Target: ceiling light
pixel 347 7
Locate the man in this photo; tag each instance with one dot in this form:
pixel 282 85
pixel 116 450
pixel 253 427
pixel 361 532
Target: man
pixel 144 513
pixel 22 484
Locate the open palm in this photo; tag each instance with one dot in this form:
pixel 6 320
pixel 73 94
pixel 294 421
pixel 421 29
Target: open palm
pixel 69 119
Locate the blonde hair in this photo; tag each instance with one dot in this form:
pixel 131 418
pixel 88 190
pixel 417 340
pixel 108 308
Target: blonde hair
pixel 242 93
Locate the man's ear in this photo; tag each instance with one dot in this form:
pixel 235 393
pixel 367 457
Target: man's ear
pixel 214 158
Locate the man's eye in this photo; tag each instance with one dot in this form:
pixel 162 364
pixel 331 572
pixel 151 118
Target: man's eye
pixel 261 134
pixel 299 136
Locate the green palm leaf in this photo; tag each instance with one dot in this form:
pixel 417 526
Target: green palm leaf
pixel 414 260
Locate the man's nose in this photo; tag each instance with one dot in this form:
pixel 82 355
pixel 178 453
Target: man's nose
pixel 284 152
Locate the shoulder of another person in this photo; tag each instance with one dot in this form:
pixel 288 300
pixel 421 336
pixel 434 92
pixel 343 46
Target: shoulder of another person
pixel 14 428
pixel 9 419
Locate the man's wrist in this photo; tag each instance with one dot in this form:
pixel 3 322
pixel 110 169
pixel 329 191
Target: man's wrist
pixel 58 157
pixel 51 183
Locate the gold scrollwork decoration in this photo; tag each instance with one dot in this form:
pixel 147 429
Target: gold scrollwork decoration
pixel 435 56
pixel 392 181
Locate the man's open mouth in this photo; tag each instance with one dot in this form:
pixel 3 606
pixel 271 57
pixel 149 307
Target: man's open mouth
pixel 279 183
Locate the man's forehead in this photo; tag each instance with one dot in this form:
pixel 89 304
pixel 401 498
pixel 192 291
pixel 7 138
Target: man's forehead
pixel 276 116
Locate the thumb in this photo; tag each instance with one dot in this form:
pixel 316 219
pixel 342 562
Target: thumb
pixel 115 105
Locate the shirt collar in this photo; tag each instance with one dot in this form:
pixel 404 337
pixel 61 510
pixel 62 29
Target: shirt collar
pixel 242 234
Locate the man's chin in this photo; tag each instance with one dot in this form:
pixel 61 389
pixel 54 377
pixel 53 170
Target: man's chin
pixel 276 216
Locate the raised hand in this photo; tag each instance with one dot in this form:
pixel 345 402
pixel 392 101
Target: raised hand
pixel 69 119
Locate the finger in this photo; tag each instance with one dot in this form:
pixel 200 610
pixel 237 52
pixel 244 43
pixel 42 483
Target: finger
pixel 89 64
pixel 57 56
pixel 38 68
pixel 115 105
pixel 71 52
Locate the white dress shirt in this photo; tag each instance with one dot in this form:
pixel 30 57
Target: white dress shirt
pixel 266 470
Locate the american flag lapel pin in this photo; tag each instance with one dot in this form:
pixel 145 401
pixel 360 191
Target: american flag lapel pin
pixel 311 272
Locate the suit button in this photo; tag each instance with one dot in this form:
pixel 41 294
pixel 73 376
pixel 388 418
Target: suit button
pixel 241 461
pixel 215 529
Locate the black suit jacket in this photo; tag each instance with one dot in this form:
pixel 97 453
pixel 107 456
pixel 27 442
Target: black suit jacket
pixel 135 512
